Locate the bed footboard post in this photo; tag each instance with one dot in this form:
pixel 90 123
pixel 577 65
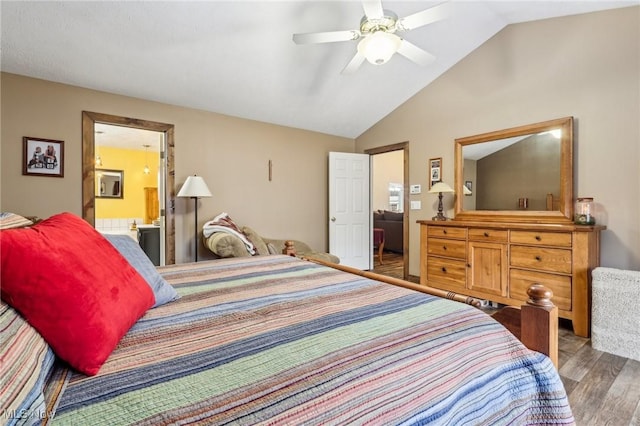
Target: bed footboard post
pixel 540 322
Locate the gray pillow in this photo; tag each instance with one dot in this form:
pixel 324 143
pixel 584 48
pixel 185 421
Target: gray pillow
pixel 162 290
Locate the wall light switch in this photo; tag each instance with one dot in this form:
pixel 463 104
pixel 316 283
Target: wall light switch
pixel 416 205
pixel 415 189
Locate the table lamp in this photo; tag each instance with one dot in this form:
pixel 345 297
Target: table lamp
pixel 195 187
pixel 439 188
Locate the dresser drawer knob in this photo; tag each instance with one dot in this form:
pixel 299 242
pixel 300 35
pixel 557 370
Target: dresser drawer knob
pixel 444 269
pixel 444 247
pixel 486 234
pixel 538 258
pixel 444 231
pixel 538 238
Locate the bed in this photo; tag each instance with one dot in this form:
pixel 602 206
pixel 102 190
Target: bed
pixel 281 340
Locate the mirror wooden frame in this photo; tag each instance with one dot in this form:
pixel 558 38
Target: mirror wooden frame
pixel 565 212
pixel 120 178
pixel 89 120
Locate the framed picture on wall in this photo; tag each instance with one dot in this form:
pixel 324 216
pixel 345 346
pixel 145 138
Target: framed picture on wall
pixel 42 157
pixel 469 185
pixel 435 171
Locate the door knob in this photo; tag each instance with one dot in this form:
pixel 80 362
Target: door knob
pixel 333 219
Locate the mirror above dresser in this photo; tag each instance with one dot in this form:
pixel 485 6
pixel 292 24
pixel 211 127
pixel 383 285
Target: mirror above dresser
pixel 519 174
pixel 513 227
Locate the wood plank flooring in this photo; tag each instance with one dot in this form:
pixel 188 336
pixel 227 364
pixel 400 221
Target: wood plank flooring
pixel 603 389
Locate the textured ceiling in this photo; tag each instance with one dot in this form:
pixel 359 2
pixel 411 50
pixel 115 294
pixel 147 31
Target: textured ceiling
pixel 238 57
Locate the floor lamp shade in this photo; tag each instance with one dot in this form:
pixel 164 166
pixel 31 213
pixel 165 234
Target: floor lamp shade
pixel 195 187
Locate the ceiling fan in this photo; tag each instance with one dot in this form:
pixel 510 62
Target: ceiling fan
pixel 377 35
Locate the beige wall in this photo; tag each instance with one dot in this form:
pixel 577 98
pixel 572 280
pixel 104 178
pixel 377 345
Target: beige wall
pixel 231 154
pixel 386 168
pixel 585 66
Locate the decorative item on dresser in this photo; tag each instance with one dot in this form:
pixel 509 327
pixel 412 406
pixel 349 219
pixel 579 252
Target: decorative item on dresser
pixel 496 253
pixel 439 188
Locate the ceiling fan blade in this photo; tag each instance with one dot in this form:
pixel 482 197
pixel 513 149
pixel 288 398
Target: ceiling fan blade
pixel 326 37
pixel 354 64
pixel 414 53
pixel 424 17
pixel 373 9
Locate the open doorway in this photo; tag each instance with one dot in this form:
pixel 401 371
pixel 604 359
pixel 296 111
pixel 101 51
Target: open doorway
pixel 390 205
pixel 164 175
pixel 135 157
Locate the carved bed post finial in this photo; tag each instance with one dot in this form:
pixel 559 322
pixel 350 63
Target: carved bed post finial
pixel 289 248
pixel 539 295
pixel 543 314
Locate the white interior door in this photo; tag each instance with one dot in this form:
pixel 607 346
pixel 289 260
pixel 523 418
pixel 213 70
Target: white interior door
pixel 349 209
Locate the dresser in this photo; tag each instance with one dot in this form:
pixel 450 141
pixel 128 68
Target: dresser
pixel 499 261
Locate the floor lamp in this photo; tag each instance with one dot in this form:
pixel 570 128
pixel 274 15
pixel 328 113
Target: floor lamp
pixel 195 187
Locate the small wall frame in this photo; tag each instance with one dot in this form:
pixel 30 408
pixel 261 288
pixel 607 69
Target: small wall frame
pixel 435 171
pixel 42 157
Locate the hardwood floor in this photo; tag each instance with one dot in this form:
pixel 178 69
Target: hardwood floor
pixel 391 264
pixel 603 389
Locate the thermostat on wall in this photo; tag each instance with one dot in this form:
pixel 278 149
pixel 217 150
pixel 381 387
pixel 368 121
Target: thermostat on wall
pixel 415 189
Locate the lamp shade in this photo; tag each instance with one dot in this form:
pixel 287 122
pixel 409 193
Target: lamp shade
pixel 379 47
pixel 194 187
pixel 440 187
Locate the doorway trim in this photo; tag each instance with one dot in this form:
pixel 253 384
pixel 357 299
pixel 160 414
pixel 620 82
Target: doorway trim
pixel 89 119
pixel 404 146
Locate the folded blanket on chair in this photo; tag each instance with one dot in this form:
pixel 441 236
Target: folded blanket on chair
pixel 223 223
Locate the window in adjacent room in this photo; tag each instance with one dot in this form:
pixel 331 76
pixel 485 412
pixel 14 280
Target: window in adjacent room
pixel 396 197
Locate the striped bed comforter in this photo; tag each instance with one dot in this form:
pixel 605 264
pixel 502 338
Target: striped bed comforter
pixel 278 340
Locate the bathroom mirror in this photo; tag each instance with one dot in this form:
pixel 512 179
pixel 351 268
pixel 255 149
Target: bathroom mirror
pixel 520 174
pixel 109 183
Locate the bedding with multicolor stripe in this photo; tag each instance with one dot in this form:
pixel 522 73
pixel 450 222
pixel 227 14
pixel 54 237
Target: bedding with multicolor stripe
pixel 279 340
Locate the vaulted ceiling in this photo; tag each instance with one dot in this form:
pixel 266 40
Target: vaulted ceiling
pixel 238 57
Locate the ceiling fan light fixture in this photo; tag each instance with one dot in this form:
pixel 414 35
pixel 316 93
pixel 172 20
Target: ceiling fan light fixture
pixel 379 47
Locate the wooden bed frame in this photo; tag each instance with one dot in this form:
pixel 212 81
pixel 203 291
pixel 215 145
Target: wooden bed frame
pixel 535 323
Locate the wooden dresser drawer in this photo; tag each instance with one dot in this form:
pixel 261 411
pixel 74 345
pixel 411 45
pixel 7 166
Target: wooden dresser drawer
pixel 560 285
pixel 447 232
pixel 490 235
pixel 451 273
pixel 558 239
pixel 543 259
pixel 447 248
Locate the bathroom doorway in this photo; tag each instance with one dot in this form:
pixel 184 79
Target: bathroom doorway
pixel 145 148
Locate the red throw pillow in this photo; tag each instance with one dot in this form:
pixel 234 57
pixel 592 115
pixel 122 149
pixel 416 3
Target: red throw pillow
pixel 72 286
